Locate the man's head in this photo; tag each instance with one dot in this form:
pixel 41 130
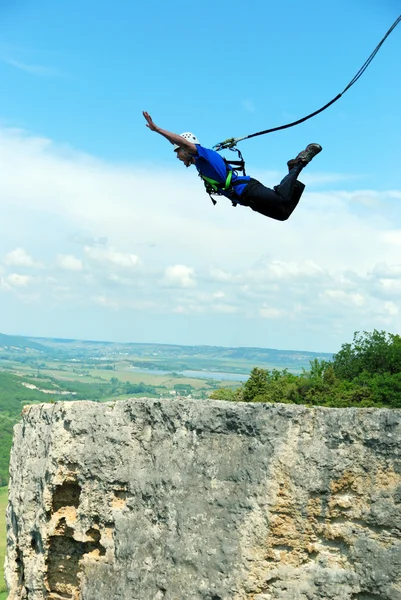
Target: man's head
pixel 182 154
pixel 187 135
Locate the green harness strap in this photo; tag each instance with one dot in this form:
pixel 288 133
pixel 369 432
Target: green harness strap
pixel 216 185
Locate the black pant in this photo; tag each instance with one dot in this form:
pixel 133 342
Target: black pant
pixel 278 203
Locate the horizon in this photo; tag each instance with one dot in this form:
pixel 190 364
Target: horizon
pixel 92 341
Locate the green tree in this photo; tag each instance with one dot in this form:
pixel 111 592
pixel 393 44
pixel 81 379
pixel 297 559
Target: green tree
pixel 376 352
pixel 256 385
pixel 384 388
pixel 229 394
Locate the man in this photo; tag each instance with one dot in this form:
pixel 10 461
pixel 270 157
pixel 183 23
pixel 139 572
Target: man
pixel 277 203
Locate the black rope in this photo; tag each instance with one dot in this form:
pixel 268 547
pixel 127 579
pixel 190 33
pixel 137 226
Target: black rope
pixel 371 57
pixel 231 142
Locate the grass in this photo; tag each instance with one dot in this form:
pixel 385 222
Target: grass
pixel 91 375
pixel 3 505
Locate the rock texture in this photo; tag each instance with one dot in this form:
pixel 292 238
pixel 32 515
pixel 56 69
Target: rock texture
pixel 204 500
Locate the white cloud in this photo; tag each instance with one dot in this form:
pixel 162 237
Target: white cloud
pixel 69 262
pixel 19 258
pixel 4 286
pixel 16 280
pixel 390 286
pixel 179 276
pixel 387 270
pixel 274 270
pixel 392 237
pixel 204 304
pixel 219 274
pixel 120 280
pixel 227 309
pixel 107 302
pixel 345 298
pixel 270 312
pixel 110 255
pixel 188 309
pixel 391 308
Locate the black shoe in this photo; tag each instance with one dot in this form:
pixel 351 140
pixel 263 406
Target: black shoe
pixel 291 164
pixel 305 156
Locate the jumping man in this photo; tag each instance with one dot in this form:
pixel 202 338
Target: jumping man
pixel 277 203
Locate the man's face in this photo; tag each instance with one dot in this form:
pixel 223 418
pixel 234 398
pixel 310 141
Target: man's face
pixel 184 157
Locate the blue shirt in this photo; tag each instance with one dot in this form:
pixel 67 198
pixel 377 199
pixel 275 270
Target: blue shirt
pixel 211 164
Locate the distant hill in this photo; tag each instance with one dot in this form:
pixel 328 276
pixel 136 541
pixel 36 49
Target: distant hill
pixel 20 343
pixel 156 353
pixel 177 351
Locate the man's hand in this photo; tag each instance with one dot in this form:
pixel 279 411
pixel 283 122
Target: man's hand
pixel 150 123
pixel 173 138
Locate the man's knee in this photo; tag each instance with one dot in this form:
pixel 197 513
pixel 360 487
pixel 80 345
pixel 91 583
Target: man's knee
pixel 276 213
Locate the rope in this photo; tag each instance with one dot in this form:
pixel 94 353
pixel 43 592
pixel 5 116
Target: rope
pixel 231 142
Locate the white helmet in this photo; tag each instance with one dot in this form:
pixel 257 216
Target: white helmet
pixel 187 135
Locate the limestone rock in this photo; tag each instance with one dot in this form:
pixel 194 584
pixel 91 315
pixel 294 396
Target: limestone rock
pixel 204 500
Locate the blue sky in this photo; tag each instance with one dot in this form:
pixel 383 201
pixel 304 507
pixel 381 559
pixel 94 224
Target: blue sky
pixel 106 236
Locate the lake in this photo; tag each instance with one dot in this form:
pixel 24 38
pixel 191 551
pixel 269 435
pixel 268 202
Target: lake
pixel 218 376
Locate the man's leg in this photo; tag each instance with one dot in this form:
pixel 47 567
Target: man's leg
pixel 280 203
pixel 290 190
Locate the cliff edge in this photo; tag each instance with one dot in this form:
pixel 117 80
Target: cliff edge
pixel 204 500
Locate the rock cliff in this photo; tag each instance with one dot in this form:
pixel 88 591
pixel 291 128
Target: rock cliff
pixel 204 500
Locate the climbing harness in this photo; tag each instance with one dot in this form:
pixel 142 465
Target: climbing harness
pixel 231 142
pixel 217 187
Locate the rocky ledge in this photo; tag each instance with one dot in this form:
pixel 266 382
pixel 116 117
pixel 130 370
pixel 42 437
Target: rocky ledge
pixel 204 500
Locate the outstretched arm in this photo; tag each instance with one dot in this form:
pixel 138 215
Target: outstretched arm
pixel 173 138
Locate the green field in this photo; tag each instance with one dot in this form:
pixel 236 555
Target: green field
pixel 3 505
